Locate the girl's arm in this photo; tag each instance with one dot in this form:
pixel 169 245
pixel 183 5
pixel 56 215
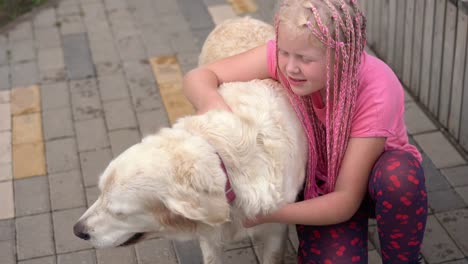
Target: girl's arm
pixel 200 84
pixel 341 204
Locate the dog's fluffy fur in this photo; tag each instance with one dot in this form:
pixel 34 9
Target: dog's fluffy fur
pixel 172 184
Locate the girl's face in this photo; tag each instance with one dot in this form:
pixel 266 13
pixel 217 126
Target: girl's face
pixel 303 64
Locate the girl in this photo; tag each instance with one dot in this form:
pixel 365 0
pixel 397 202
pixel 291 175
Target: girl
pixel 351 106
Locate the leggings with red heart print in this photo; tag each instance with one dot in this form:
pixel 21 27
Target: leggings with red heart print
pixel 396 198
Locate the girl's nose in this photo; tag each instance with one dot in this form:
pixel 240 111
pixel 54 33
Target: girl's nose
pixel 292 66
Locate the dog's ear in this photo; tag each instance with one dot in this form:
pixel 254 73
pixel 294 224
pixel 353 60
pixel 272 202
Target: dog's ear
pixel 208 209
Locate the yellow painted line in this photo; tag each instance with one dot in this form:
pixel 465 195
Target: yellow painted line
pixel 241 7
pixel 168 76
pixel 27 137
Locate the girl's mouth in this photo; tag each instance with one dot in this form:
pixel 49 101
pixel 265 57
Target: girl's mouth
pixel 294 81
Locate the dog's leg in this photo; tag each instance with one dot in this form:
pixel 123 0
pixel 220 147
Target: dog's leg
pixel 273 237
pixel 212 252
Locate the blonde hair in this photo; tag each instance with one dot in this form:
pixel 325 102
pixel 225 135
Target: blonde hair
pixel 339 26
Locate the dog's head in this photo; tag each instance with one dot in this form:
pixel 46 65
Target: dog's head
pixel 170 185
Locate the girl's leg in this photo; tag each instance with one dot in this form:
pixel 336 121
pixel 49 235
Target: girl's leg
pixel 397 189
pixel 342 243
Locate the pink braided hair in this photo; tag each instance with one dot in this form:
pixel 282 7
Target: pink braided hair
pixel 345 38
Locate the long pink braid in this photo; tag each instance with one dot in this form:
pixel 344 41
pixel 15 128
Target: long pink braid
pixel 328 142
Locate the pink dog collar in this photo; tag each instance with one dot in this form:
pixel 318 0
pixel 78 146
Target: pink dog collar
pixel 230 194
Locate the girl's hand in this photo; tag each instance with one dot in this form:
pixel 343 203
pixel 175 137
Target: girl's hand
pixel 258 220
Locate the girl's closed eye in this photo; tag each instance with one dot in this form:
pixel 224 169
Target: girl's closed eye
pixel 283 52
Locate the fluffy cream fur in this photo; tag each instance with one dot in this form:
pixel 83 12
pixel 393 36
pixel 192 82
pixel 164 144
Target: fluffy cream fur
pixel 172 185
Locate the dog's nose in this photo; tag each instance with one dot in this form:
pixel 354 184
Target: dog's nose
pixel 80 231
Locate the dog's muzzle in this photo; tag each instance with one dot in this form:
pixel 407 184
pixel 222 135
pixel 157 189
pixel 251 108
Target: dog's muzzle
pixel 133 239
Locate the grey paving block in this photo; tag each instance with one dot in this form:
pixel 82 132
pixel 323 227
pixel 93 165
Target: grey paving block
pixel 48 37
pixel 439 149
pixel 196 13
pixel 55 95
pixel 156 251
pixel 416 119
pixel 200 36
pixel 152 121
pixel 290 254
pixel 187 61
pixel 463 192
pixel 457 176
pixel 131 48
pixel 108 68
pixel 93 164
pixel 292 235
pixel 156 42
pixel 123 139
pixel 65 9
pixel 91 134
pixel 7 230
pixel 22 51
pixel 184 41
pixel 120 255
pixel 65 240
pixel 461 261
pixel 44 260
pixel 48 76
pixel 32 196
pixel 444 200
pixel 104 51
pixel 46 18
pixel 6 172
pixel 82 257
pixel 5 80
pixel 57 123
pixel 119 114
pixel 21 31
pixel 92 194
pixel 374 257
pixel 112 87
pixel 86 103
pixel 71 24
pixel 437 245
pixel 78 56
pixel 61 155
pixel 24 74
pixel 455 222
pixel 188 252
pixel 7 252
pixel 214 2
pixel 32 241
pixel 66 190
pixel 93 11
pixel 242 255
pixel 164 7
pixel 50 58
pixel 115 4
pixel 434 179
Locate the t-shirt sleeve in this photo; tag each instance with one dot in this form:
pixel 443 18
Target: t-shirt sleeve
pixel 379 105
pixel 271 59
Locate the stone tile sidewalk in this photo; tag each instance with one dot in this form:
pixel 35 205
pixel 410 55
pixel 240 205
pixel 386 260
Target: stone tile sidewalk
pixel 81 80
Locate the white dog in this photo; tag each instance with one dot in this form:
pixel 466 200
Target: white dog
pixel 173 183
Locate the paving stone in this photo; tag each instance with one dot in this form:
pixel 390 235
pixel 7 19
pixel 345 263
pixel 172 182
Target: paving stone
pixel 55 95
pixel 166 7
pixel 210 3
pixel 5 117
pixel 5 147
pixel 28 160
pixel 24 74
pixel 78 56
pixel 438 246
pixel 5 82
pixel 416 120
pixel 184 41
pixel 108 68
pixel 93 164
pixel 104 51
pixel 292 234
pixel 57 123
pixel 6 172
pixel 200 36
pixel 27 128
pixel 32 241
pixel 434 179
pixel 93 11
pixel 196 13
pixel 113 87
pixel 7 230
pixel 25 100
pixel 187 61
pixel 152 121
pixel 65 9
pixel 82 257
pixel 45 260
pixel 221 12
pixel 22 31
pixel 45 19
pixel 91 134
pixel 47 38
pixel 4 50
pixel 61 155
pixel 50 58
pixel 32 196
pixel 455 222
pixel 99 31
pixel 115 4
pixel 5 97
pixel 123 139
pixel 66 190
pixel 439 149
pixel 242 255
pixel 188 252
pixel 22 51
pixel 156 43
pixel 7 210
pixel 92 194
pixel 463 192
pixel 119 114
pixel 7 252
pixel 444 200
pixel 71 25
pixel 457 176
pixel 49 76
pixel 374 257
pixel 65 240
pixel 155 251
pixel 461 261
pixel 86 103
pixel 131 48
pixel 120 255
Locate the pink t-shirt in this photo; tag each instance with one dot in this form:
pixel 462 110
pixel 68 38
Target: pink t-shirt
pixel 379 107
